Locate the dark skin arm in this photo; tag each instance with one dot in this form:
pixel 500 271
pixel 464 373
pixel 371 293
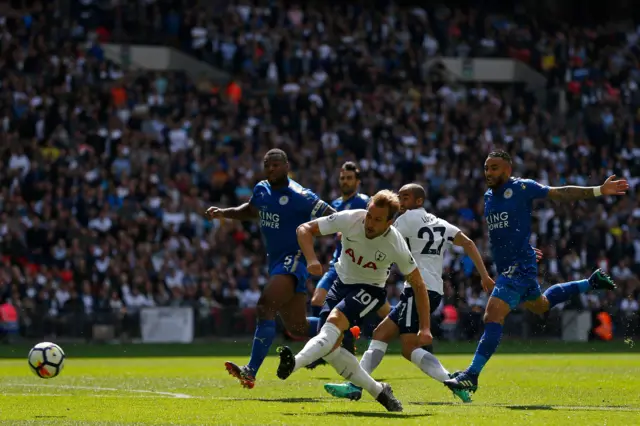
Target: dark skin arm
pixel 576 193
pixel 243 212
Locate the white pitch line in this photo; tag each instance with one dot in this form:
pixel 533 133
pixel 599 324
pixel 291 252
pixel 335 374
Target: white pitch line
pixel 101 389
pixel 40 394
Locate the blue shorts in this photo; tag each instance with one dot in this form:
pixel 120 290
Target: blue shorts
pixel 295 265
pixel 516 289
pixel 355 301
pixel 327 279
pixel 405 313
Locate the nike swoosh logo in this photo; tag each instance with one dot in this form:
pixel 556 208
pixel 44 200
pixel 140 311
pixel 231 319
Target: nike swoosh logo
pixel 349 239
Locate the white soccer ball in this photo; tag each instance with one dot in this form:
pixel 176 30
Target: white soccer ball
pixel 46 360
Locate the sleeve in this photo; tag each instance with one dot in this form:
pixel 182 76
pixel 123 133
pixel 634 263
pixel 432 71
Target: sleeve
pixel 258 193
pixel 337 222
pixel 534 190
pixel 313 204
pixel 451 232
pixel 402 226
pixel 404 259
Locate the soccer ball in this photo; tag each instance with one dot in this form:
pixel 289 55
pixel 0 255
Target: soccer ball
pixel 46 360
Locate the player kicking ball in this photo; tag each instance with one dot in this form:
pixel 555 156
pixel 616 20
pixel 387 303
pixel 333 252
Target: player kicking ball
pixel 507 211
pixel 428 237
pixel 370 245
pixel 280 205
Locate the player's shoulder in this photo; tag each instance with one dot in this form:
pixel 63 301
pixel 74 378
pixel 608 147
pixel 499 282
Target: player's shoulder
pixel 262 185
pixel 394 237
pixel 360 200
pixel 298 191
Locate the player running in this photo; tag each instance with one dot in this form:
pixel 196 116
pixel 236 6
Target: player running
pixel 427 237
pixel 370 245
pixel 507 210
pixel 281 205
pixel 350 199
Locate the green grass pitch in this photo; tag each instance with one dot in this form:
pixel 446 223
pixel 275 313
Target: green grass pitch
pixel 516 389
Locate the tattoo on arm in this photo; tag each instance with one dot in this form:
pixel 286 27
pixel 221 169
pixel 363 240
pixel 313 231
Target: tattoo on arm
pixel 570 193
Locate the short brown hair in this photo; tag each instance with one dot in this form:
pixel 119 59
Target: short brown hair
pixel 388 199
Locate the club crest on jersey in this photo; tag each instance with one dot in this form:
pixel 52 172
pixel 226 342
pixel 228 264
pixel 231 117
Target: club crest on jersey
pixel 358 260
pixel 347 207
pixel 508 193
pixel 380 256
pixel 283 200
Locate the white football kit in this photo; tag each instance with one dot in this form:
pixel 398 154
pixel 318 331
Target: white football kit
pixel 428 237
pixel 363 260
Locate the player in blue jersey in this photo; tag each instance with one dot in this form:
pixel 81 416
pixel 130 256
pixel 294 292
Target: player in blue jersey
pixel 350 199
pixel 281 205
pixel 507 211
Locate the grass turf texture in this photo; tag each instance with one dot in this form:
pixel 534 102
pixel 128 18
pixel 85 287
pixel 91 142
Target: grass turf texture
pixel 592 388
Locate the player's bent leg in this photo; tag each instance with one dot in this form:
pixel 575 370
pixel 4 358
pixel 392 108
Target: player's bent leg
pixel 495 314
pixel 327 340
pixel 428 363
pixel 277 292
pixel 347 366
pixel 563 292
pixel 386 331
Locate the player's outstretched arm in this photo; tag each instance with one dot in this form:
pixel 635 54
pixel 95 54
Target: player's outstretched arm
pixel 422 303
pixel 245 211
pixel 305 233
pixel 471 250
pixel 575 193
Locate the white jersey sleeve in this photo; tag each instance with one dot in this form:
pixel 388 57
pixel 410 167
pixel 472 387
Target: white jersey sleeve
pixel 339 222
pixel 404 259
pixel 428 237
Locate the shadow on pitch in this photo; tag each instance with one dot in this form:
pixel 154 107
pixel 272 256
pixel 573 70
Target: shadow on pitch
pixel 365 414
pixel 510 407
pixel 286 400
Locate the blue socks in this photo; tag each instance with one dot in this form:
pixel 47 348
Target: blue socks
pixel 487 346
pixel 262 340
pixel 313 326
pixel 562 292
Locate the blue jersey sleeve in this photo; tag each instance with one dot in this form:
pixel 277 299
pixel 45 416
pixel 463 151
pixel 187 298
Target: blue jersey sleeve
pixel 258 193
pixel 311 203
pixel 533 190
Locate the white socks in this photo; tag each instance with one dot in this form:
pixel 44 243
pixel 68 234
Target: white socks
pixel 319 346
pixel 373 356
pixel 429 364
pixel 346 364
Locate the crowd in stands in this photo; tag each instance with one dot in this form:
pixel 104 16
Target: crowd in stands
pixel 106 172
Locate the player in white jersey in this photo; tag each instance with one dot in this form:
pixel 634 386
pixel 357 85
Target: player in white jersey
pixel 428 237
pixel 370 245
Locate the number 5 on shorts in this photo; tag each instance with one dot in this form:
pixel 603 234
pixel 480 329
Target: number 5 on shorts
pixel 365 299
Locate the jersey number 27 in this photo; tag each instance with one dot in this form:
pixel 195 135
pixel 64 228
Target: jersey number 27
pixel 430 238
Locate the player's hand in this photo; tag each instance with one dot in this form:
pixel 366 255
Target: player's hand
pixel 315 268
pixel 614 187
pixel 488 284
pixel 425 337
pixel 213 213
pixel 539 255
pixel 339 236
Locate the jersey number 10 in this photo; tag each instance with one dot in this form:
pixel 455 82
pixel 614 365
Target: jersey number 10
pixel 427 249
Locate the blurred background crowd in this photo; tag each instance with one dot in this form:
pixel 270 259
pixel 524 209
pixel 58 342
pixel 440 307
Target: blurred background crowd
pixel 106 171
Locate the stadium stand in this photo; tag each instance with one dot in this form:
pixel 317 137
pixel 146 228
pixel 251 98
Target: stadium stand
pixel 106 172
